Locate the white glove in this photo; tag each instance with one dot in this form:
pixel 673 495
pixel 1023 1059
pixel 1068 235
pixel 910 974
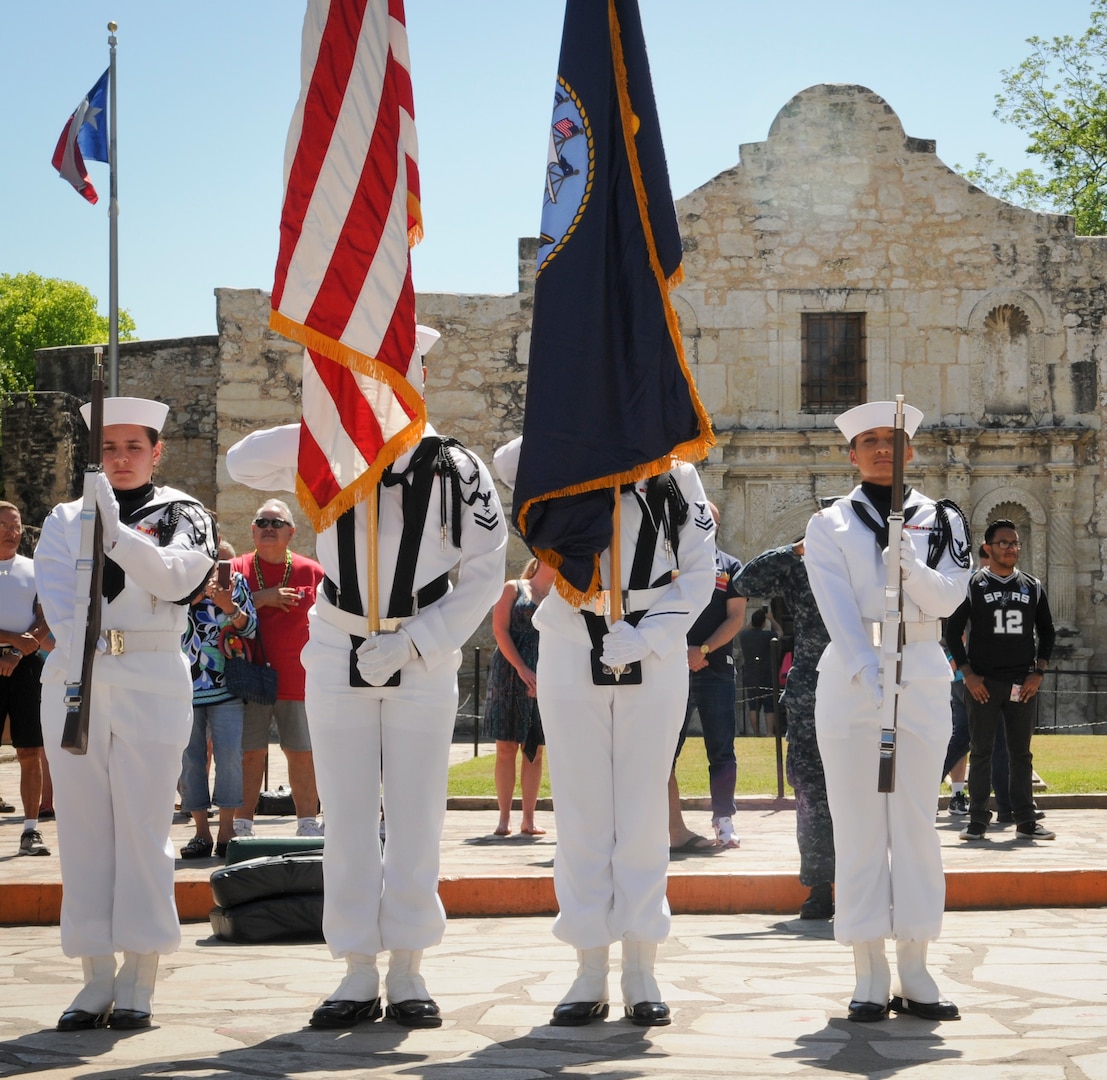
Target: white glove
pixel 907 555
pixel 868 678
pixel 622 645
pixel 108 506
pixel 380 657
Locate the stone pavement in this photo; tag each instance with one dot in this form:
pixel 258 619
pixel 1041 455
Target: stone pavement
pixel 752 996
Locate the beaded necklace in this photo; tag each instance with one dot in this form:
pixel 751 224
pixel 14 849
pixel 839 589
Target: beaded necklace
pixel 287 569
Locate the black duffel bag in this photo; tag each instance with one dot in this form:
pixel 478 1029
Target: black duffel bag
pixel 299 916
pixel 298 872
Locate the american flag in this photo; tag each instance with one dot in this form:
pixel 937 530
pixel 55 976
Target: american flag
pixel 343 284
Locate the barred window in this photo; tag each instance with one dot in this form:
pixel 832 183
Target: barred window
pixel 833 366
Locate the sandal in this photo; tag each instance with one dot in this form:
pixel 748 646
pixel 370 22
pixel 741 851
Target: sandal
pixel 197 848
pixel 695 845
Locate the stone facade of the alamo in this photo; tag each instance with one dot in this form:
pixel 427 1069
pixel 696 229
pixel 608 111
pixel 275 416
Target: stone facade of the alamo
pixel 988 317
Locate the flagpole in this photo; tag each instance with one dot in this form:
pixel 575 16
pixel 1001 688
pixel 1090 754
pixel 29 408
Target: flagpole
pixel 615 589
pixel 113 230
pixel 373 591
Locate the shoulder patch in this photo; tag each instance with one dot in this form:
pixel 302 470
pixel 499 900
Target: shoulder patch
pixel 703 518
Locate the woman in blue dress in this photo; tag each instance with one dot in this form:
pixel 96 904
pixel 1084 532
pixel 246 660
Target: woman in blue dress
pixel 511 707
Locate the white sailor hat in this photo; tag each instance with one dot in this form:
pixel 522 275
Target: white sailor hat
pixel 506 460
pixel 425 338
pixel 130 410
pixel 874 414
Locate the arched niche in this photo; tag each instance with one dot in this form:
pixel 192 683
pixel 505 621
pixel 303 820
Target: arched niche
pixel 1007 380
pixel 1030 519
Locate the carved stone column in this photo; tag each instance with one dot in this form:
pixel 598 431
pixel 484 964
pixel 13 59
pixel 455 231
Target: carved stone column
pixel 1061 585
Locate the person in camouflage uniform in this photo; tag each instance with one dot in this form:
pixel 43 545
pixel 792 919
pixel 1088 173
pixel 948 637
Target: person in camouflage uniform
pixel 780 572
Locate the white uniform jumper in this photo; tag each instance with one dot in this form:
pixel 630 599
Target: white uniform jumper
pixel 115 804
pixel 888 879
pixel 610 748
pixel 361 735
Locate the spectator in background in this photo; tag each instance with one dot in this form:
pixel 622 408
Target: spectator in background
pixel 711 692
pixel 758 677
pixel 957 754
pixel 781 572
pixel 218 619
pixel 1009 648
pixel 22 631
pixel 282 585
pixel 511 710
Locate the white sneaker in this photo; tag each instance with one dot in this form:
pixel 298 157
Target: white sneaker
pixel 309 827
pixel 724 833
pixel 243 827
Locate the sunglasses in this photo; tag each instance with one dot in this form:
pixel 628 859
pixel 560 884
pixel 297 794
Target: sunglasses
pixel 1004 545
pixel 271 523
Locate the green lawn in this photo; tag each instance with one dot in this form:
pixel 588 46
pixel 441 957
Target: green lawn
pixel 1069 764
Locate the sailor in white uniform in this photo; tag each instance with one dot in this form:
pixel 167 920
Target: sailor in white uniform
pixel 610 746
pixel 115 804
pixel 889 881
pixel 438 511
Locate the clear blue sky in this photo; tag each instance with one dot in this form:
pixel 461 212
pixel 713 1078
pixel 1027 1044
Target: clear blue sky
pixel 206 90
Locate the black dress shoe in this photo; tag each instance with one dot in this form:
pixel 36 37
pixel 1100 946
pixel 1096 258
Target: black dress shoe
pixel 415 1013
pixel 578 1013
pixel 128 1019
pixel 345 1014
pixel 648 1014
pixel 80 1020
pixel 926 1010
pixel 866 1012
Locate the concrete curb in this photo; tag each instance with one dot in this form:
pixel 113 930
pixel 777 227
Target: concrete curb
pixel 689 894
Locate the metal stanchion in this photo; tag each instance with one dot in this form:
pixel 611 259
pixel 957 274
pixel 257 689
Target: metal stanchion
pixel 775 658
pixel 476 700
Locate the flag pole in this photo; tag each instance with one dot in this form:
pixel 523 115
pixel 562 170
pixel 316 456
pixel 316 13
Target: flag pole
pixel 615 589
pixel 373 592
pixel 113 230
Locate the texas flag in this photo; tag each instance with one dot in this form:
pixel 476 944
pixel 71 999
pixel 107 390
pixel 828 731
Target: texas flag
pixel 84 135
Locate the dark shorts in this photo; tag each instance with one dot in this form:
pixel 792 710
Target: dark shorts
pixel 756 700
pixel 20 695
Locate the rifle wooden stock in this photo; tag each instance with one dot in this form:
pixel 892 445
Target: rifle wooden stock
pixel 892 629
pixel 78 696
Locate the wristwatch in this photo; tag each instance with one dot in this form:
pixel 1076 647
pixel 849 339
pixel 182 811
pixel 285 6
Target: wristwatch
pixel 705 649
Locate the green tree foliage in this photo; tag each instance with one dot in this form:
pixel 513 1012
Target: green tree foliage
pixel 1058 96
pixel 38 312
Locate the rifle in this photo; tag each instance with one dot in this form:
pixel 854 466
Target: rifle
pixel 90 577
pixel 892 630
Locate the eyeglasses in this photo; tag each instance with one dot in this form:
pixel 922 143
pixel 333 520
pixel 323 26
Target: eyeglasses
pixel 271 523
pixel 1003 545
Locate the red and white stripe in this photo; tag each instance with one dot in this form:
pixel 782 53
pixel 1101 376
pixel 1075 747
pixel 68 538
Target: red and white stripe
pixel 68 159
pixel 343 279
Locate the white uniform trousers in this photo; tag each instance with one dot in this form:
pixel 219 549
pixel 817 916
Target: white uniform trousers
pixel 610 750
pixel 888 877
pixel 361 736
pixel 115 811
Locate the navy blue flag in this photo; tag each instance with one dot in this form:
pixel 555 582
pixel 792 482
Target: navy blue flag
pixel 610 399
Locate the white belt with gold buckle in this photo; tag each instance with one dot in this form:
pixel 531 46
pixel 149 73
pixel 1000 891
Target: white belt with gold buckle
pixel 633 600
pixel 119 642
pixel 349 623
pixel 913 632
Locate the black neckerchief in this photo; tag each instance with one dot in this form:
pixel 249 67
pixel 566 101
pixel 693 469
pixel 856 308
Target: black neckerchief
pixel 880 495
pixel 132 504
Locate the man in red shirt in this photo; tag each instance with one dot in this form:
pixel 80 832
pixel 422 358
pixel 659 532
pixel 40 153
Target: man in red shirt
pixel 283 586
